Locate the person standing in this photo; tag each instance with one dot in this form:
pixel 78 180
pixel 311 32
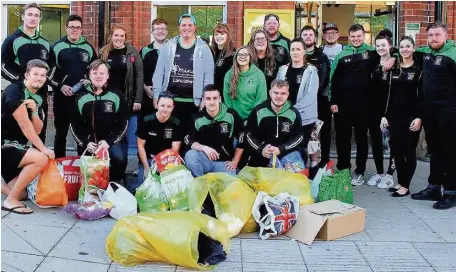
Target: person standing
pixel 149 55
pixel 126 77
pixel 71 57
pixel 438 83
pixel 184 67
pixel 280 43
pixel 223 48
pixel 23 45
pixel 331 35
pixel 264 55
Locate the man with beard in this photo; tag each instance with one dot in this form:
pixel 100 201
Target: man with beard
pixel 273 127
pixel 280 43
pixel 438 83
pixel 332 47
pixel 316 57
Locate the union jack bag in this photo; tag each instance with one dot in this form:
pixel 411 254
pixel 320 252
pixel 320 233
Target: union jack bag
pixel 275 215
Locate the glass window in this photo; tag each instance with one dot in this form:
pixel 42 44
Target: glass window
pixel 52 25
pixel 364 15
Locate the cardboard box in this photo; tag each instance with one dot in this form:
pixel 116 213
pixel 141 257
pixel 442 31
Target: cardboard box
pixel 327 220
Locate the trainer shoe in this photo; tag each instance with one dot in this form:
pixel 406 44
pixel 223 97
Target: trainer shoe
pixel 447 201
pixel 357 179
pixel 428 194
pixel 374 180
pixel 386 182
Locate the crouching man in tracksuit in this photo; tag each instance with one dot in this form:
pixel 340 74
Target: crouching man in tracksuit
pixel 273 127
pixel 211 137
pixel 100 119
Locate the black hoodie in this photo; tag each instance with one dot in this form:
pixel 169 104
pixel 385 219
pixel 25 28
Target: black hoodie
pixel 223 64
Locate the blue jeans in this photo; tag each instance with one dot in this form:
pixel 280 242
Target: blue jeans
pixel 131 135
pixel 118 161
pixel 199 164
pixel 132 186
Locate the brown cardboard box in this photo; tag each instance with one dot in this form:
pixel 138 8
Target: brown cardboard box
pixel 328 220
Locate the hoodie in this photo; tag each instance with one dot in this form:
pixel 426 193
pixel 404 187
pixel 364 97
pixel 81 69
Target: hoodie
pixel 281 47
pixel 350 76
pixel 71 61
pixel 251 91
pixel 222 65
pixel 18 49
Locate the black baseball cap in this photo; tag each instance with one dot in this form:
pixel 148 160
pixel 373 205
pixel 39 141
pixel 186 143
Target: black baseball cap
pixel 329 26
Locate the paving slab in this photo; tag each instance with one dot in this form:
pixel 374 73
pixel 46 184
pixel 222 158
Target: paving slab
pixel 4 213
pixel 106 223
pixel 438 255
pixel 156 267
pixel 398 219
pixel 65 265
pixel 402 269
pixel 360 236
pixel 438 269
pixel 268 267
pixel 423 209
pixel 271 252
pixel 83 245
pixel 14 243
pixel 221 267
pixel 235 251
pixel 446 228
pixel 332 253
pixel 15 262
pixel 339 268
pixel 52 217
pixel 391 254
pixel 392 234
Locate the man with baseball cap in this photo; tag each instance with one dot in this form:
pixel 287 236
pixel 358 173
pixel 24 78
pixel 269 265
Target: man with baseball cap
pixel 280 43
pixel 332 47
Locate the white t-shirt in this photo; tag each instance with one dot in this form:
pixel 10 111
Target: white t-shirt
pixel 332 52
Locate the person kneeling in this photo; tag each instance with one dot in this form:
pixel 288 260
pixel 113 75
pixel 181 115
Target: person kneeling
pixel 273 127
pixel 100 120
pixel 157 132
pixel 211 137
pixel 22 121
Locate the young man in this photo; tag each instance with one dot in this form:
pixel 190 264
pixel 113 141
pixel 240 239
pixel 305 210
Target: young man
pixel 70 57
pixel 184 67
pixel 23 45
pixel 211 137
pixel 149 55
pixel 351 104
pixel 280 43
pixel 439 88
pixel 331 36
pixel 316 57
pixel 22 121
pixel 273 127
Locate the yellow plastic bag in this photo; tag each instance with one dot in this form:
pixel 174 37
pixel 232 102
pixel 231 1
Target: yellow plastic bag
pixel 275 181
pixel 170 237
pixel 232 198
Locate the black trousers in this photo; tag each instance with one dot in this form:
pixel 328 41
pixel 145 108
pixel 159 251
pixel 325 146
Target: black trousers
pixel 403 145
pixel 440 125
pixel 184 111
pixel 375 134
pixel 62 118
pixel 325 115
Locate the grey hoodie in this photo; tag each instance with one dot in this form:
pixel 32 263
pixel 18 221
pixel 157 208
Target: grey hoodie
pixel 203 68
pixel 306 102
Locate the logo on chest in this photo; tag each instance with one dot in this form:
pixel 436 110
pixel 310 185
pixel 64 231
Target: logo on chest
pixel 298 79
pixel 44 54
pixel 365 55
pixel 224 128
pixel 410 76
pixel 84 57
pixel 281 50
pixel 250 82
pixel 153 133
pixel 438 60
pixel 286 126
pixel 220 62
pixel 385 76
pixel 108 107
pixel 124 59
pixel 347 60
pixel 168 133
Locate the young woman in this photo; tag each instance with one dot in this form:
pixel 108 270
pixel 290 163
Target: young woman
pixel 223 49
pixel 303 80
pixel 126 76
pixel 157 132
pixel 402 114
pixel 264 54
pixel 244 84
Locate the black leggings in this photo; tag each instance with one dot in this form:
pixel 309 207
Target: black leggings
pixel 403 146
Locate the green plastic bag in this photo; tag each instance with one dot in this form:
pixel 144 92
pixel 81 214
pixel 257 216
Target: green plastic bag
pixel 232 198
pixel 150 195
pixel 175 183
pixel 337 186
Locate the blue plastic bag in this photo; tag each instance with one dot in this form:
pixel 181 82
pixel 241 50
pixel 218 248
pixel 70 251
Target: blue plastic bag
pixel 292 162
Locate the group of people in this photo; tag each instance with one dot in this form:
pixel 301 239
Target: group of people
pixel 222 108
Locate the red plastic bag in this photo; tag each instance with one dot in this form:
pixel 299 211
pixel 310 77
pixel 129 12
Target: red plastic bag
pixel 51 189
pixel 71 176
pixel 167 159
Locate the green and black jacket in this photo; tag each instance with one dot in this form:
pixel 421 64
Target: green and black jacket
pixel 70 61
pixel 18 49
pixel 282 130
pixel 281 47
pixel 218 132
pixel 149 55
pixel 99 117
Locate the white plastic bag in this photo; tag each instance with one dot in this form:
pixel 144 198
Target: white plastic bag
pixel 275 215
pixel 124 203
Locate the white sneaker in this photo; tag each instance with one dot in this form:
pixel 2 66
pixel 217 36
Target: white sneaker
pixel 374 180
pixel 357 179
pixel 386 182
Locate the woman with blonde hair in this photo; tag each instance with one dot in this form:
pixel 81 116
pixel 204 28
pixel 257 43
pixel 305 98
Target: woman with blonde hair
pixel 244 84
pixel 126 76
pixel 223 48
pixel 264 54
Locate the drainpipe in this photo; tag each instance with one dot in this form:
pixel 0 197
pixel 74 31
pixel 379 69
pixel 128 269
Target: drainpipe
pixel 101 24
pixel 438 11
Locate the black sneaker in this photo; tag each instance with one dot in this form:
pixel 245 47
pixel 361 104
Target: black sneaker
pixel 427 194
pixel 447 201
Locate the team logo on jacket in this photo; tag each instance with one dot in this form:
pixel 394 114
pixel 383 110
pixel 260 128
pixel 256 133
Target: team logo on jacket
pixel 438 60
pixel 298 79
pixel 168 133
pixel 250 82
pixel 108 107
pixel 365 55
pixel 124 59
pixel 281 50
pixel 44 54
pixel 385 76
pixel 84 57
pixel 410 76
pixel 286 126
pixel 347 60
pixel 224 128
pixel 220 62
